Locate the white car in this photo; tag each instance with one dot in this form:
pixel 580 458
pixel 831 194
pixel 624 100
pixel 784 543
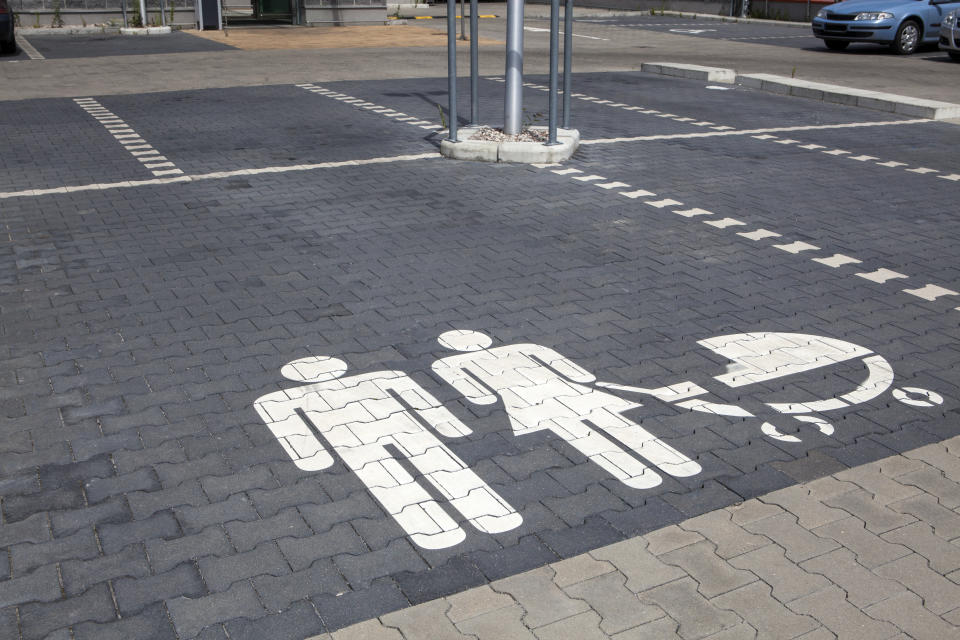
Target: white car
pixel 950 35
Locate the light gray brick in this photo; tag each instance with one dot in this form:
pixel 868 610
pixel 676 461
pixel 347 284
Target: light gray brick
pixel 786 578
pixel 427 621
pixel 798 543
pixel 863 587
pixel 907 612
pixel 543 601
pixel 939 594
pixel 729 539
pixel 870 549
pixel 764 613
pixel 643 569
pixel 943 556
pixel 619 608
pixel 831 609
pixel 694 613
pixel 875 515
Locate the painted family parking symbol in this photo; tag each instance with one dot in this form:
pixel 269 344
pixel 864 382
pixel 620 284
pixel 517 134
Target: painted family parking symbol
pixel 382 423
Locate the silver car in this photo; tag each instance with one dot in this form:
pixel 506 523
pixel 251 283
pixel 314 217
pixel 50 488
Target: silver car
pixel 950 34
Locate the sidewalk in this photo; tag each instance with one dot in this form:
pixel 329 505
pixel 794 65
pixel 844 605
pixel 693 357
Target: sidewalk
pixel 870 552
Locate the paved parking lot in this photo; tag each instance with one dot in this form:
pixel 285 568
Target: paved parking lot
pixel 273 368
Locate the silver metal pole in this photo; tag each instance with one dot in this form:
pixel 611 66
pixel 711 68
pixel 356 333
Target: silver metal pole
pixel 474 64
pixel 163 13
pixel 143 13
pixel 513 99
pixel 452 68
pixel 554 46
pixel 463 24
pixel 567 60
pixel 123 7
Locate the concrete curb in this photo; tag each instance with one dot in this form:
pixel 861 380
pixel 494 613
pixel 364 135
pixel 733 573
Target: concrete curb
pixel 710 16
pixel 145 31
pixel 876 100
pixel 691 71
pixel 64 31
pixel 520 152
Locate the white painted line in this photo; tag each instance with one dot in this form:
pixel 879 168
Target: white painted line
pixel 836 152
pixel 953 177
pixel 837 260
pixel 702 123
pixel 764 136
pixel 610 185
pixel 759 234
pixel 891 164
pixel 690 213
pixel 922 170
pixel 28 48
pixel 787 141
pixel 931 292
pixel 880 275
pixel 588 178
pixel 564 172
pixel 575 35
pixel 797 247
pixel 129 138
pixel 640 193
pixel 545 165
pixel 660 204
pixel 724 223
pixel 863 158
pixel 748 132
pixel 216 175
pixel 812 146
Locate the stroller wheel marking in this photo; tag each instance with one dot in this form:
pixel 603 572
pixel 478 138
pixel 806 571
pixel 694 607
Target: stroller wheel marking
pixel 770 430
pixel 825 427
pixel 931 398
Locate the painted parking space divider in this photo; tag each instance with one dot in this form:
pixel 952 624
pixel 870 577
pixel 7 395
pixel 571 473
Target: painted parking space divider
pixel 149 157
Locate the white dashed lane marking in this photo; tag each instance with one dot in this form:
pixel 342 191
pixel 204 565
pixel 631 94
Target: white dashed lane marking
pixel 28 48
pixel 360 103
pixel 149 157
pixel 929 292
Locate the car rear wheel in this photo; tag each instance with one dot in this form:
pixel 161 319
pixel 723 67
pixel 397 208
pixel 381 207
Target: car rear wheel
pixel 955 55
pixel 836 45
pixel 907 39
pixel 9 47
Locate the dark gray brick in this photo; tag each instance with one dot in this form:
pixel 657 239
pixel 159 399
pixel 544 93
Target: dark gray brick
pixel 302 552
pixel 81 545
pixel 133 594
pixel 322 516
pixel 144 504
pixel 220 573
pixel 17 508
pixel 237 507
pixel 69 475
pixel 166 554
pixel 129 461
pixel 306 491
pixel 100 489
pixel 456 575
pixel 114 537
pixel 86 448
pixel 191 615
pixel 80 575
pixel 33 529
pixel 286 524
pixel 42 585
pixel 112 511
pixel 150 624
pixel 38 620
pixel 172 474
pixel 297 622
pixel 360 570
pixel 278 592
pixel 220 487
pixel 342 610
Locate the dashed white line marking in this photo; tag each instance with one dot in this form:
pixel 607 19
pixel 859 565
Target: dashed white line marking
pixel 589 178
pixel 639 193
pixel 691 213
pixel 797 247
pixel 880 275
pixel 544 165
pixel 764 136
pixel 759 234
pixel 724 223
pixel 837 260
pixel 28 48
pixel 787 141
pixel 125 135
pixel 863 158
pixel 891 164
pixel 922 170
pixel 611 185
pixel 360 103
pixel 931 292
pixel 660 204
pixel 836 152
pixel 812 147
pixel 566 172
pixel 952 177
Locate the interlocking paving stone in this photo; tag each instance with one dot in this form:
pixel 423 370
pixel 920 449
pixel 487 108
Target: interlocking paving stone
pixel 540 598
pixel 764 613
pixel 862 586
pixel 191 615
pixel 713 575
pixel 618 607
pixel 694 613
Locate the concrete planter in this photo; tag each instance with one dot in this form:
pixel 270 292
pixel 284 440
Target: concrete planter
pixel 509 151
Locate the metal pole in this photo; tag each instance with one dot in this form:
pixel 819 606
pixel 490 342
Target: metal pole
pixel 143 13
pixel 463 24
pixel 474 64
pixel 513 99
pixel 452 68
pixel 567 60
pixel 554 46
pixel 163 13
pixel 123 8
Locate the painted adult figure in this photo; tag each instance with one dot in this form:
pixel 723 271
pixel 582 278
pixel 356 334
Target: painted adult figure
pixel 541 389
pixel 359 417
